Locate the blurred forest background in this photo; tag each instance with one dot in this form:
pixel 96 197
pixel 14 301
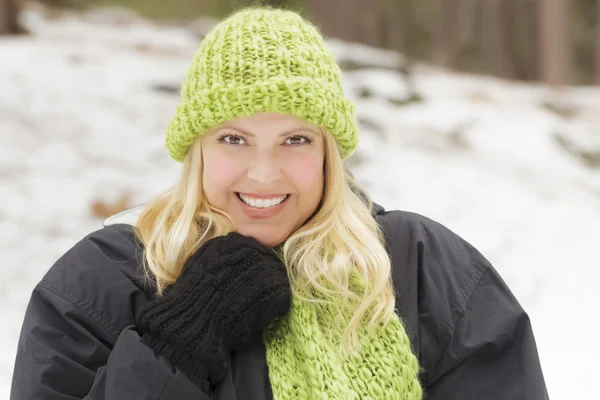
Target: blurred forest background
pixel 552 41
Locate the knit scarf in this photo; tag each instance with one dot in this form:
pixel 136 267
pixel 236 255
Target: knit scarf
pixel 304 362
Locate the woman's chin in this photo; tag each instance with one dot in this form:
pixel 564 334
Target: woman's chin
pixel 267 237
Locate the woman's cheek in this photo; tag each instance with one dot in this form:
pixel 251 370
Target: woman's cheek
pixel 307 170
pixel 221 168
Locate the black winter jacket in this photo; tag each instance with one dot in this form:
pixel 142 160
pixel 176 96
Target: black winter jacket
pixel 79 340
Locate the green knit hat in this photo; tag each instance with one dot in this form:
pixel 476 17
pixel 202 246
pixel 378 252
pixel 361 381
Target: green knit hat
pixel 262 60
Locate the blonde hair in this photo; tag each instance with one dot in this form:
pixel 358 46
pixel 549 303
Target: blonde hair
pixel 341 240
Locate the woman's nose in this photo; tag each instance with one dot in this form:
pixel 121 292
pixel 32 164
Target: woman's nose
pixel 265 169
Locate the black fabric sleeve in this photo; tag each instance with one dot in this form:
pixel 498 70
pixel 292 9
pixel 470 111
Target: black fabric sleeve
pixel 65 353
pixel 492 353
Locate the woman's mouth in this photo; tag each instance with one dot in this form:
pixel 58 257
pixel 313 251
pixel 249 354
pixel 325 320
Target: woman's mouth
pixel 262 203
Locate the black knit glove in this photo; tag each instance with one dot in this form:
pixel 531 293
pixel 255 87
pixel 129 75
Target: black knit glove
pixel 231 288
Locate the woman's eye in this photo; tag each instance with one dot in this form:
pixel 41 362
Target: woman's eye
pixel 231 139
pixel 297 140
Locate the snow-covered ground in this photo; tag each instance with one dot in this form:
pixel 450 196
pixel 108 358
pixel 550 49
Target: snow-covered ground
pixel 84 102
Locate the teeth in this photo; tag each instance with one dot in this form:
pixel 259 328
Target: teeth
pixel 262 203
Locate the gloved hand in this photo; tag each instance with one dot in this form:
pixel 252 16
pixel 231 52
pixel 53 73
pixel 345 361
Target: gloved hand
pixel 231 288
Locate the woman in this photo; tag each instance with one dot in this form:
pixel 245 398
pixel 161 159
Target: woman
pixel 265 273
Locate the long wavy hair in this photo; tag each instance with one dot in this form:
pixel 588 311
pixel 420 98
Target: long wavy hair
pixel 340 241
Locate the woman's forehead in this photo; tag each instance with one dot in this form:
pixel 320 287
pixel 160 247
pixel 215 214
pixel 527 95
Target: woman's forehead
pixel 269 122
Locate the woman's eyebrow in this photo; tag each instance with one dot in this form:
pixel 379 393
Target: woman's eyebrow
pixel 248 133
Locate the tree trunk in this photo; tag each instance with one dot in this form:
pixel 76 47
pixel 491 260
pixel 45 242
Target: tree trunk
pixel 396 20
pixel 597 45
pixel 533 56
pixel 350 22
pixel 521 17
pixel 371 24
pixel 467 31
pixel 494 48
pixel 446 42
pixel 555 41
pixel 8 18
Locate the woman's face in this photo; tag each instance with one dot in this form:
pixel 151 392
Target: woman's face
pixel 266 172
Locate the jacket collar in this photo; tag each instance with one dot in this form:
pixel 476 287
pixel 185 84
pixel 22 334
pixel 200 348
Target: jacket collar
pixel 377 209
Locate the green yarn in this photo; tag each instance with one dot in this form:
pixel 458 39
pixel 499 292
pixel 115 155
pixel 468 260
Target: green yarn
pixel 304 361
pixel 262 60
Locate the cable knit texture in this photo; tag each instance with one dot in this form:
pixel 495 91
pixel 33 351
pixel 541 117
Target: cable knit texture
pixel 304 361
pixel 231 288
pixel 262 60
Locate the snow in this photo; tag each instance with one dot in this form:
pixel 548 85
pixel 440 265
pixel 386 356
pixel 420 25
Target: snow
pixel 82 118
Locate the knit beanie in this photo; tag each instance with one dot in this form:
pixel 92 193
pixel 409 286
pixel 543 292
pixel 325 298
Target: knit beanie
pixel 262 60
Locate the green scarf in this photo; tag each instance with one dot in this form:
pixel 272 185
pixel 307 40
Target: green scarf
pixel 304 363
